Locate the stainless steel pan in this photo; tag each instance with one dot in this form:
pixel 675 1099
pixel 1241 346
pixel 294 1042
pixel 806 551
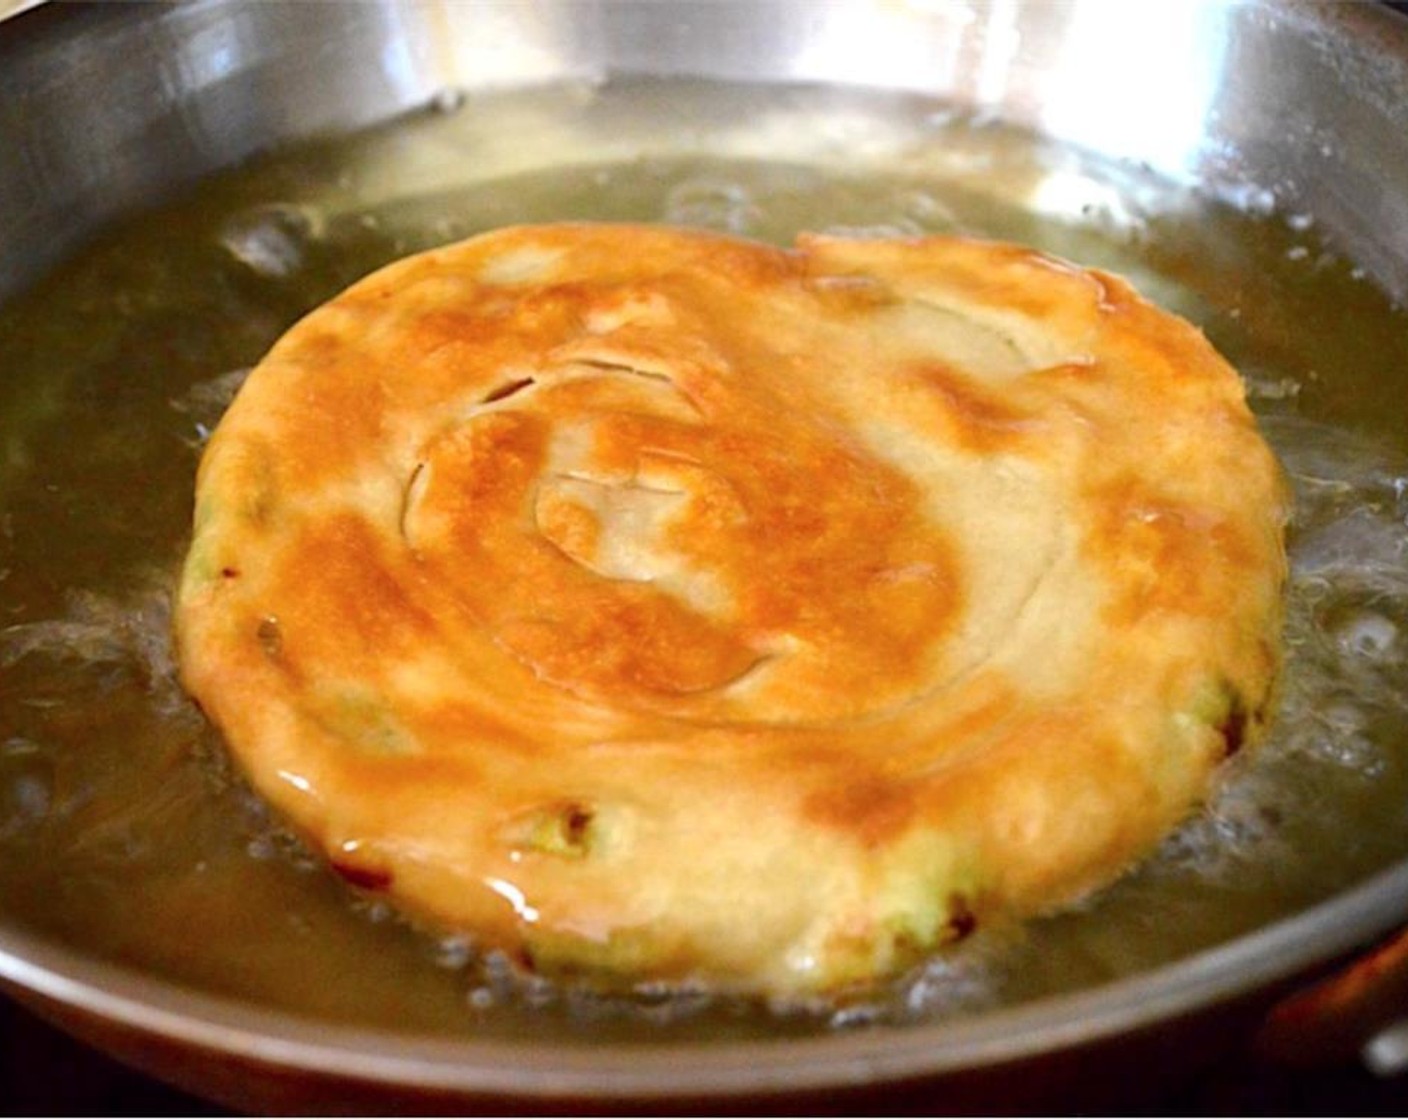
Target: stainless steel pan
pixel 109 109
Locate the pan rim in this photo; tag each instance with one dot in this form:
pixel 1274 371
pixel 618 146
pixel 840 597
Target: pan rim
pixel 126 996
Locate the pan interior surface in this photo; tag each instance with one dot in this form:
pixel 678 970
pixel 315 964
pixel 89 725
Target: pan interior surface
pixel 125 835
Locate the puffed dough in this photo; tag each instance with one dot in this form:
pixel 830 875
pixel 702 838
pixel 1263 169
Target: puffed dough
pixel 657 606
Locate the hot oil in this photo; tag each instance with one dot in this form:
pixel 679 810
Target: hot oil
pixel 124 831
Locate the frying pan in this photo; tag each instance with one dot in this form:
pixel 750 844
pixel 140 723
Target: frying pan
pixel 110 109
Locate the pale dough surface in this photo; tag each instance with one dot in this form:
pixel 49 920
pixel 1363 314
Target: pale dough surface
pixel 654 605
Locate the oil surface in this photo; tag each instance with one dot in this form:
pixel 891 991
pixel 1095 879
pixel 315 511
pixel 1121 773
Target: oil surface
pixel 123 830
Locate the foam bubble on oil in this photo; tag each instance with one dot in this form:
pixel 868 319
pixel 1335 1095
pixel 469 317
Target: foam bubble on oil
pixel 712 203
pixel 100 631
pixel 272 242
pixel 28 786
pixel 103 673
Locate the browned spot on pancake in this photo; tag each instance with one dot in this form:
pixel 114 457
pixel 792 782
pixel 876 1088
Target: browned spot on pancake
pixel 1066 377
pixel 798 535
pixel 572 527
pixel 1008 278
pixel 630 641
pixel 849 295
pixel 575 628
pixel 249 480
pixel 872 809
pixel 341 568
pixel 322 453
pixel 1167 555
pixel 981 420
pixel 1038 286
pixel 874 797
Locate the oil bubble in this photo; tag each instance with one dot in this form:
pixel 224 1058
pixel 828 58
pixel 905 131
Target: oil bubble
pixel 481 999
pixel 26 790
pixel 453 953
pixel 931 213
pixel 713 204
pixel 271 242
pixel 1271 388
pixel 1368 635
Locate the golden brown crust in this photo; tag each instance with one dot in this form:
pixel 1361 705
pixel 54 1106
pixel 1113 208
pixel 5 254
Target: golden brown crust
pixel 661 605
